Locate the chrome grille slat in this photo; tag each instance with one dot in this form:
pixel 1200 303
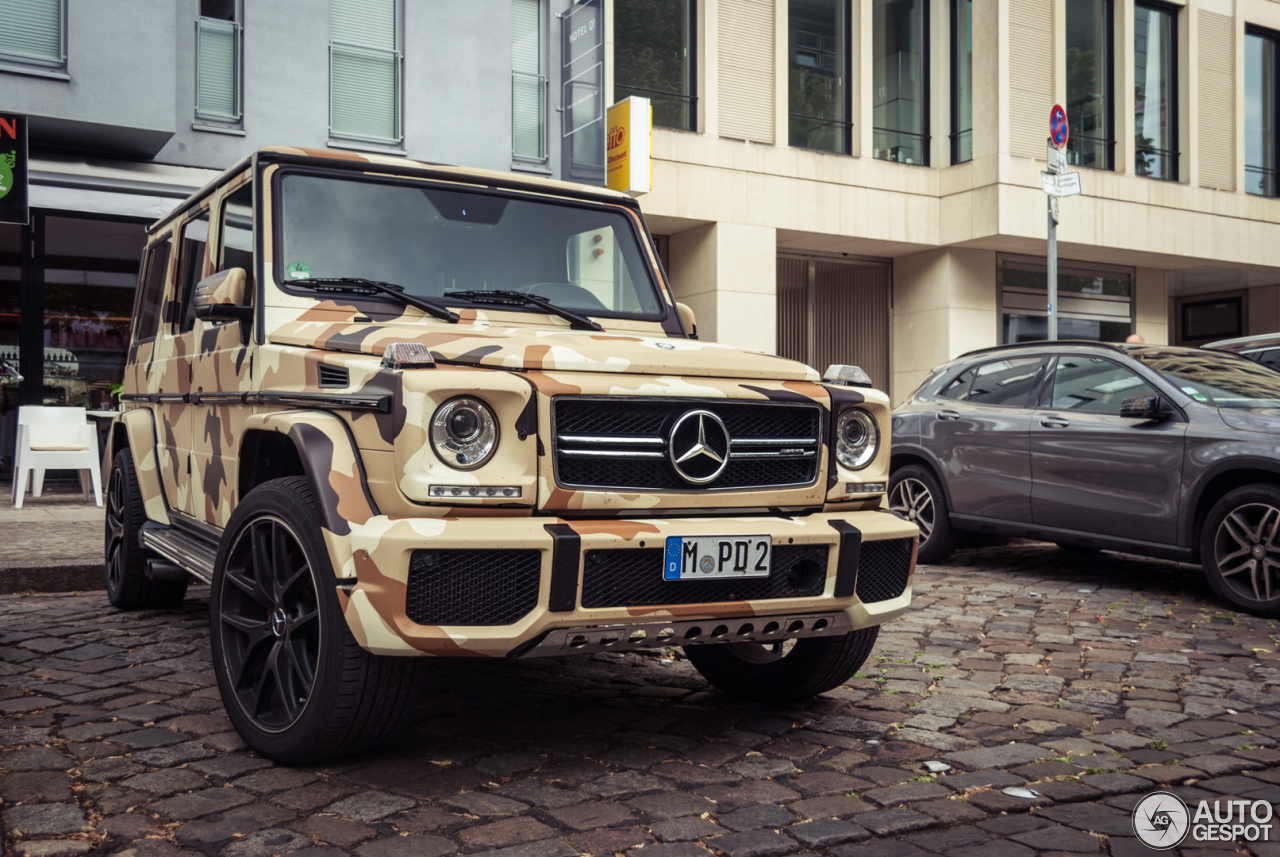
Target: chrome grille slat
pixel 613 443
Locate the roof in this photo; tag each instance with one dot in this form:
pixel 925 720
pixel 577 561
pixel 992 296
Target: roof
pixel 1040 344
pixel 1246 343
pixel 517 181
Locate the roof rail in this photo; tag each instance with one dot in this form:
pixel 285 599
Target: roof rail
pixel 1040 343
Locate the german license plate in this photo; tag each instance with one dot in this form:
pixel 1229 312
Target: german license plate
pixel 713 557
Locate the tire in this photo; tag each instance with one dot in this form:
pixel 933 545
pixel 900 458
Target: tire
pixel 291 642
pixel 763 673
pixel 1240 549
pixel 914 493
pixel 128 586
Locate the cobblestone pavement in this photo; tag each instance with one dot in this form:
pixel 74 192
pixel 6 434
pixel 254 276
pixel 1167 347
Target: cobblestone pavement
pixel 1093 680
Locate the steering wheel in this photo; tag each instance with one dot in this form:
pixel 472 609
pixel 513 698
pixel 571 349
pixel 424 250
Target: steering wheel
pixel 566 295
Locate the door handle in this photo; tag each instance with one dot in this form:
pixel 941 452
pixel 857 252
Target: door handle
pixel 1054 422
pixel 948 415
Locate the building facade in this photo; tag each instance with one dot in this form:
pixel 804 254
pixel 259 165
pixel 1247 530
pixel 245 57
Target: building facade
pixel 833 180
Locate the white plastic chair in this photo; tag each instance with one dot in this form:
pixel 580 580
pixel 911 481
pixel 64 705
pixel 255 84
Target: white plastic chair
pixel 55 439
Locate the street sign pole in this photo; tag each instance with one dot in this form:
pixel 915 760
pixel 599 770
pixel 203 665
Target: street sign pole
pixel 1056 164
pixel 1052 271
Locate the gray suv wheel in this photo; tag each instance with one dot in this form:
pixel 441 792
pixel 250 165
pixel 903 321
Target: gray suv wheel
pixel 914 493
pixel 1240 548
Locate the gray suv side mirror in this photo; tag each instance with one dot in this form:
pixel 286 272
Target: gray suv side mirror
pixel 220 297
pixel 1148 407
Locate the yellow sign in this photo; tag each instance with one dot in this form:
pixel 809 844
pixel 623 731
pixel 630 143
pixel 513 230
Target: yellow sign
pixel 628 145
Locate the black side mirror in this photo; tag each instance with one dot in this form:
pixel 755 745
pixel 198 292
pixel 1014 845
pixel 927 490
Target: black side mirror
pixel 1148 407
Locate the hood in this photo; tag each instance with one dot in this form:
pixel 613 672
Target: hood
pixel 1252 419
pixel 540 349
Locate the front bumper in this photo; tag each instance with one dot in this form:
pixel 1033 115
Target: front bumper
pixel 555 551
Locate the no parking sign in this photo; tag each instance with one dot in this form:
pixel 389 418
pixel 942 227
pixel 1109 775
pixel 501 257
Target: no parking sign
pixel 1058 131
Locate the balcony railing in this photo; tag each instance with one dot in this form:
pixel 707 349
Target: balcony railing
pixel 904 147
pixel 1264 181
pixel 1156 163
pixel 824 134
pixel 670 109
pixel 1087 151
pixel 962 146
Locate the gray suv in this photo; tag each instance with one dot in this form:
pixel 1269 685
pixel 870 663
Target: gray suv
pixel 1155 450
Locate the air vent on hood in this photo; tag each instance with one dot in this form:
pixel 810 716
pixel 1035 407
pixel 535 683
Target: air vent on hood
pixel 333 376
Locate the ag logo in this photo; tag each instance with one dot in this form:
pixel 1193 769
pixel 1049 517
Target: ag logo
pixel 1161 820
pixel 8 160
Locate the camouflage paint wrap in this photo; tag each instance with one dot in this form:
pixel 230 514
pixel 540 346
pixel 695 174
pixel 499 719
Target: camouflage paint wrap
pixel 140 428
pixel 225 288
pixel 307 375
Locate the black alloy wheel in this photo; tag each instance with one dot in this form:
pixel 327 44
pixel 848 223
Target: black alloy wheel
pixel 271 616
pixel 295 682
pixel 128 586
pixel 916 496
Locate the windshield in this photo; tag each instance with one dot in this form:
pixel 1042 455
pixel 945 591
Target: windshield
pixel 434 241
pixel 1220 380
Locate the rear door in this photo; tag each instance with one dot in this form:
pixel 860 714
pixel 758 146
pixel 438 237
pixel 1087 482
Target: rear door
pixel 1094 471
pixel 174 349
pixel 979 433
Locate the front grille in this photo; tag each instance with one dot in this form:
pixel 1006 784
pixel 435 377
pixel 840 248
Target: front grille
pixel 633 578
pixel 622 443
pixel 472 587
pixel 883 569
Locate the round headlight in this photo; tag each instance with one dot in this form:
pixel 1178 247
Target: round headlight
pixel 464 433
pixel 857 439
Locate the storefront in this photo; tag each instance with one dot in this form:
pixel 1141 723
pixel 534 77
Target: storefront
pixel 67 281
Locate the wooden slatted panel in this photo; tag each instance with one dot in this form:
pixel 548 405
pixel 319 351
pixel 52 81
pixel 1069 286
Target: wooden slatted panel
pixel 746 69
pixel 1217 64
pixel 1031 40
pixel 793 313
pixel 851 318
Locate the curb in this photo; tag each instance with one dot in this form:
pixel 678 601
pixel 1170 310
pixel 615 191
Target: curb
pixel 70 576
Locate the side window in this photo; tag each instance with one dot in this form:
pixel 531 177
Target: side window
pixel 195 235
pixel 1004 382
pixel 157 267
pixel 237 236
pixel 1270 359
pixel 1094 385
pixel 958 388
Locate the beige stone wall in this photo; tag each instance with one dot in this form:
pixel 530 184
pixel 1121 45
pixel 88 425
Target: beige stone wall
pixel 1151 306
pixel 1264 311
pixel 727 274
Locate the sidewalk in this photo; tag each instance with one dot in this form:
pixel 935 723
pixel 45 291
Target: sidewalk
pixel 54 543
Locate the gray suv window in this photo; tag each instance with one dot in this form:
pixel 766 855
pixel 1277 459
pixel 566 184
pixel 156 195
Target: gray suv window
pixel 1094 385
pixel 1004 382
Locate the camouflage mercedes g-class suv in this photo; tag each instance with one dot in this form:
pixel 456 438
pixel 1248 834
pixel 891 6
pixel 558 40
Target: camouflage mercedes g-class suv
pixel 391 410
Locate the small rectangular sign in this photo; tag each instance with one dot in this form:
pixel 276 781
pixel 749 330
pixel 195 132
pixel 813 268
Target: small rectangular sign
pixel 1056 159
pixel 1067 184
pixel 628 145
pixel 13 168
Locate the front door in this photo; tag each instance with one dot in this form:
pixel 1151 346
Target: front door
pixel 1096 472
pixel 979 431
pixel 220 372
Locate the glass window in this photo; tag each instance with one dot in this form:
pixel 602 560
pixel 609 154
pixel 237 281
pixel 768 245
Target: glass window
pixel 1261 97
pixel 237 235
pixel 958 388
pixel 1270 358
pixel 1094 385
pixel 34 32
pixel 218 61
pixel 1089 101
pixel 364 70
pixel 1213 378
pixel 148 317
pixel 1215 318
pixel 900 87
pixel 435 241
pixel 1004 382
pixel 653 57
pixel 818 54
pixel 1155 71
pixel 195 236
pixel 528 84
pixel 1092 304
pixel 961 81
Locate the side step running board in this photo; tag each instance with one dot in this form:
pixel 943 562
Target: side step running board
pixel 193 555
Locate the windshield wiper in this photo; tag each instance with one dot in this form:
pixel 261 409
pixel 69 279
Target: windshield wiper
pixel 508 298
pixel 355 284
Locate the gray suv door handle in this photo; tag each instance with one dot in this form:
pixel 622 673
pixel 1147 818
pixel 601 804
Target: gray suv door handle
pixel 1054 422
pixel 948 415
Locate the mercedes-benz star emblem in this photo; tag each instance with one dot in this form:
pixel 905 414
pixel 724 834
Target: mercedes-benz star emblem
pixel 698 447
